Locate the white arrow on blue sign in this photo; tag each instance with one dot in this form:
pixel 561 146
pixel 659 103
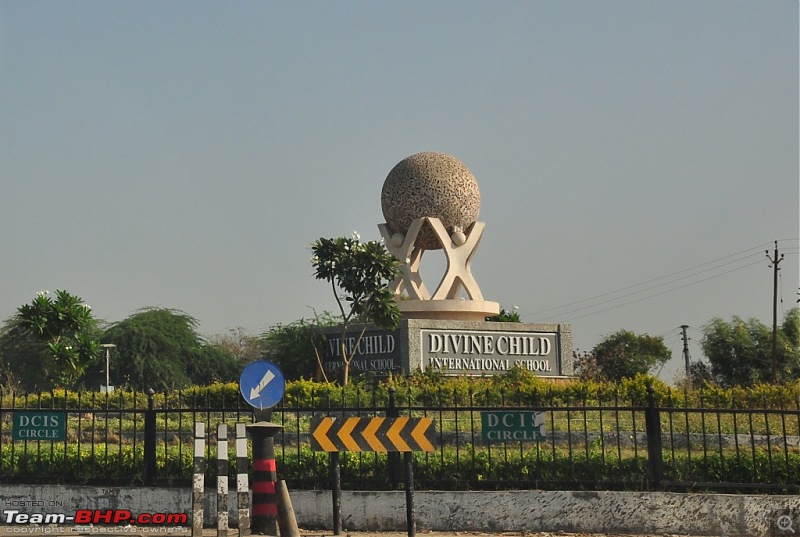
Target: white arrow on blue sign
pixel 262 384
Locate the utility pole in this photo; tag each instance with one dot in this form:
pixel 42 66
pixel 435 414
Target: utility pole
pixel 686 356
pixel 774 262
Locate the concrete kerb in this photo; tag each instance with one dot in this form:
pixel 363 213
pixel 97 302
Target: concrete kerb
pixel 523 511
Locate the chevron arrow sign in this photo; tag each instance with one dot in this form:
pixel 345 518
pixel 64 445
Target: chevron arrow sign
pixel 373 434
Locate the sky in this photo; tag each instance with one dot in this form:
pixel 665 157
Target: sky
pixel 635 159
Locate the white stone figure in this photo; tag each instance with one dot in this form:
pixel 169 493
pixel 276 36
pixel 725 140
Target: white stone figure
pixel 430 202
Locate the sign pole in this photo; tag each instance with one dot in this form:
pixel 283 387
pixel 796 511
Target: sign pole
pixel 411 523
pixel 262 385
pixel 336 491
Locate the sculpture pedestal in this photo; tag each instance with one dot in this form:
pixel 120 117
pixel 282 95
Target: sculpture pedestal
pixel 457 310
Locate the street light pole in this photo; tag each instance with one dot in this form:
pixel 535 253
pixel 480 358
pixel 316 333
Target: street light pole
pixel 107 347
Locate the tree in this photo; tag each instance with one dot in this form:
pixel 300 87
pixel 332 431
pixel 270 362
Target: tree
pixel 160 348
pixel 585 365
pixel 790 332
pixel 740 352
pixel 295 347
pixel 23 365
pixel 359 275
pixel 244 347
pixel 625 354
pixel 700 374
pixel 50 341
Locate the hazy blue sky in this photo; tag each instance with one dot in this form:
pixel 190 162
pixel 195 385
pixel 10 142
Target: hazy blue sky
pixel 635 158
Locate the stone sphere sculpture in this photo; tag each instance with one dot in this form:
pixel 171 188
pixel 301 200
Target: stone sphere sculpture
pixel 434 185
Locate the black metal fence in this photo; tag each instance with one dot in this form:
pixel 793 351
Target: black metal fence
pixel 584 444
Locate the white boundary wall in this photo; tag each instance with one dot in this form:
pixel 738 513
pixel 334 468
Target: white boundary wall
pixel 505 511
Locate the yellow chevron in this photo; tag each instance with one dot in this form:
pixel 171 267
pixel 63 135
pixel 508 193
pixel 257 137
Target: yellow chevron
pixel 345 434
pixel 369 434
pixel 394 434
pixel 320 434
pixel 418 434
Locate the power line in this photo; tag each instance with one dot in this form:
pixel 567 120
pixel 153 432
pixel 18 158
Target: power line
pixel 699 333
pixel 652 295
pixel 672 275
pixel 668 333
pixel 648 296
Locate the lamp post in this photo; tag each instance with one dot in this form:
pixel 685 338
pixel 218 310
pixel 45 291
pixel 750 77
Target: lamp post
pixel 107 347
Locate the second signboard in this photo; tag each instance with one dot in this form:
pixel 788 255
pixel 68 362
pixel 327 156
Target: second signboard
pixel 490 352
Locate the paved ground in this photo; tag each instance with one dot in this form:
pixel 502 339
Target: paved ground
pixel 479 534
pixel 101 531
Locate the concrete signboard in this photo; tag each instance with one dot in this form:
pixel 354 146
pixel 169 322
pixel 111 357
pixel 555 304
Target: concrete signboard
pixel 377 351
pixel 483 352
pixel 452 348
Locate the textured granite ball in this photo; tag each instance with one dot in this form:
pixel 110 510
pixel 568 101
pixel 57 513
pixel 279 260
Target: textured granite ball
pixel 430 184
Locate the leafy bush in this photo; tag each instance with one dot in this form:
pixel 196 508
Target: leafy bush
pixel 517 387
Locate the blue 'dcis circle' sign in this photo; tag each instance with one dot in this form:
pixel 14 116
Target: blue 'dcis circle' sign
pixel 262 384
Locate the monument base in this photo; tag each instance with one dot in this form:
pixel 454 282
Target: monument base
pixel 457 310
pixel 454 347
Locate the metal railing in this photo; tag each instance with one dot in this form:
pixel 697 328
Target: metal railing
pixel 591 444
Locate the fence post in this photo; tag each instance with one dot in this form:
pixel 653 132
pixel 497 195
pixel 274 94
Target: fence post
pixel 393 457
pixel 654 449
pixel 150 439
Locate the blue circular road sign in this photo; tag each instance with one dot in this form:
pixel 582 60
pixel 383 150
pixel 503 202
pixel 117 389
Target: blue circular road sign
pixel 262 384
